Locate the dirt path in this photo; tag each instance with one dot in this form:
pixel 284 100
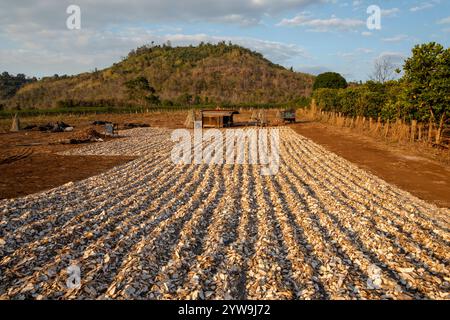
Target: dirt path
pixel 424 178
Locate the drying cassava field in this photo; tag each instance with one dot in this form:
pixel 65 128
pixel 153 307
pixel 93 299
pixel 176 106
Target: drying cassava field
pixel 321 228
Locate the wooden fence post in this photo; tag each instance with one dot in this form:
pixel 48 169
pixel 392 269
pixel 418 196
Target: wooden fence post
pixel 378 125
pixel 413 130
pixel 386 129
pixel 419 138
pixel 439 130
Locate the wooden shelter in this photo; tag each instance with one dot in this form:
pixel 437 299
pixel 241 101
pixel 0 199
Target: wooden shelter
pixel 217 118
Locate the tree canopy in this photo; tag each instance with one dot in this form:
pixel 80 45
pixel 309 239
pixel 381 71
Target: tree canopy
pixel 427 81
pixel 10 84
pixel 330 80
pixel 140 90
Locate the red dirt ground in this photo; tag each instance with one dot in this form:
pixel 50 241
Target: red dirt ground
pixel 29 164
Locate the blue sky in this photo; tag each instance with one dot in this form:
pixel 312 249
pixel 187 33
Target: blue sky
pixel 311 36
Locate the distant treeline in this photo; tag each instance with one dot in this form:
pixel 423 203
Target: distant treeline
pixel 10 84
pixel 114 106
pixel 371 99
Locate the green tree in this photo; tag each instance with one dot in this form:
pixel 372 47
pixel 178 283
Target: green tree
pixel 140 90
pixel 10 84
pixel 427 83
pixel 330 80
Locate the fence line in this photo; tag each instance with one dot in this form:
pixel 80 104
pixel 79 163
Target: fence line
pixel 397 130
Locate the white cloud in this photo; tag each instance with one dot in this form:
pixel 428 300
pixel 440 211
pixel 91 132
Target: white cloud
pixel 397 38
pixel 276 51
pixel 390 12
pixel 237 19
pixel 425 5
pixel 34 37
pixel 356 54
pixel 444 21
pixel 322 25
pixel 364 50
pixel 75 52
pixel 395 57
pixel 101 13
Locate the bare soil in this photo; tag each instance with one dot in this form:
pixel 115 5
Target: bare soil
pixel 43 171
pixel 428 180
pixel 29 163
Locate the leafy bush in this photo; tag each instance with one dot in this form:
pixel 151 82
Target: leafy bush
pixel 427 82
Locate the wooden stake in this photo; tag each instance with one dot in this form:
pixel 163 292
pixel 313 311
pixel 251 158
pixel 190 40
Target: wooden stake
pixel 430 130
pixel 413 131
pixel 386 129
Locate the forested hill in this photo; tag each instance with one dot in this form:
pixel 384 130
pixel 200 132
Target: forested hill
pixel 208 73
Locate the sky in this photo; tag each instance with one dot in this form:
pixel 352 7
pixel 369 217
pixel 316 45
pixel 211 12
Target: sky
pixel 310 36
